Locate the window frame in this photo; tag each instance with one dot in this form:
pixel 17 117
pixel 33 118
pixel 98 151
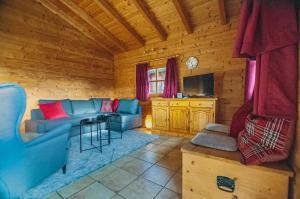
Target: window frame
pixel 156 69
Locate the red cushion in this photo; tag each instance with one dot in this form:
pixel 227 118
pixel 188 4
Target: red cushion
pixel 115 105
pixel 53 111
pixel 107 106
pixel 265 139
pixel 238 119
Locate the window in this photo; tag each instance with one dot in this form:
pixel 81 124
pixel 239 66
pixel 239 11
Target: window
pixel 156 77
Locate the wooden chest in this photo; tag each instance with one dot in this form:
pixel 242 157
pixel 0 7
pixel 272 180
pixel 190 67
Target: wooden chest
pixel 201 166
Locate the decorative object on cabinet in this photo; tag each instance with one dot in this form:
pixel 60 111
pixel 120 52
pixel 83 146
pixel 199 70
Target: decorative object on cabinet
pixel 179 95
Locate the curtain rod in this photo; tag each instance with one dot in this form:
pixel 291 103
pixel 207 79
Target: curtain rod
pixel 149 60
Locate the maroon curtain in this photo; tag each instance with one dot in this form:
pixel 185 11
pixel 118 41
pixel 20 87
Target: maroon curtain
pixel 268 32
pixel 250 79
pixel 142 83
pixel 171 81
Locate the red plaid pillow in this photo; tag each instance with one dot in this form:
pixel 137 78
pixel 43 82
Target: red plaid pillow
pixel 106 106
pixel 265 139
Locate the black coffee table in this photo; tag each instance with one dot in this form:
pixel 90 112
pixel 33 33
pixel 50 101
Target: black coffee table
pixel 92 122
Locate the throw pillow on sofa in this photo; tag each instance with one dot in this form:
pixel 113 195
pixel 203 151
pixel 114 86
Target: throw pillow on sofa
pixel 83 107
pixel 128 106
pixel 66 104
pixel 53 111
pixel 115 105
pixel 107 106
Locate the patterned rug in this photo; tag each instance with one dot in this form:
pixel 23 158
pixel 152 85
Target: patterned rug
pixel 81 164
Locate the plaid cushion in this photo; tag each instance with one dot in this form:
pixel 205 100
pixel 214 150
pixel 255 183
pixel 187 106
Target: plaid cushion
pixel 265 139
pixel 107 106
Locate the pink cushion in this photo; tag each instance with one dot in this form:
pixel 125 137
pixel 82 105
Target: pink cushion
pixel 238 119
pixel 265 139
pixel 107 106
pixel 53 111
pixel 115 105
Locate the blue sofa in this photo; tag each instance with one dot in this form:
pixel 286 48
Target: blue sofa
pixel 24 164
pixel 128 116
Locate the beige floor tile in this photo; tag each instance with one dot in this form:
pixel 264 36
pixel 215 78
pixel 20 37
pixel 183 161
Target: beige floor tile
pixel 100 173
pixel 175 184
pixel 53 196
pixel 117 197
pixel 136 167
pixel 176 139
pixel 94 191
pixel 117 180
pixel 150 146
pixel 151 157
pixel 76 186
pixel 138 153
pixel 161 149
pixel 158 175
pixel 158 142
pixel 170 162
pixel 121 162
pixel 168 194
pixel 175 153
pixel 171 144
pixel 141 189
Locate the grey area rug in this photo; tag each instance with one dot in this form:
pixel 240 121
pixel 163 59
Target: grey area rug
pixel 81 164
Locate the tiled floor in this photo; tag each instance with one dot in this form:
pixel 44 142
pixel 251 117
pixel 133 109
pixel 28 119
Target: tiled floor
pixel 153 171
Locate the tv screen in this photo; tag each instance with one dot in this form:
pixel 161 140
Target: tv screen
pixel 199 86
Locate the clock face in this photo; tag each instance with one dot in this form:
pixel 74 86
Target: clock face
pixel 192 62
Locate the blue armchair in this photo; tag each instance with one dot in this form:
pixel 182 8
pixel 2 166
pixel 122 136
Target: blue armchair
pixel 25 164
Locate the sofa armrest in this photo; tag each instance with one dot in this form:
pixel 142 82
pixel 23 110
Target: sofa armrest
pixel 139 111
pixel 53 134
pixel 31 126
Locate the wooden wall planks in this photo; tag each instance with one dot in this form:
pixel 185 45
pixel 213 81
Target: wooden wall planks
pixel 48 57
pixel 212 43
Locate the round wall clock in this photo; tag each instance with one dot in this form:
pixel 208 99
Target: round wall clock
pixel 192 62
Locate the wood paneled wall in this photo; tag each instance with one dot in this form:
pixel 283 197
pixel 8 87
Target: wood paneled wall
pixel 211 43
pixel 48 57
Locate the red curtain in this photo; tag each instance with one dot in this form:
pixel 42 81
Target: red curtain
pixel 171 81
pixel 268 32
pixel 250 79
pixel 142 83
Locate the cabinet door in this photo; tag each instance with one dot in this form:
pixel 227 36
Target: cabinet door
pixel 179 119
pixel 160 117
pixel 199 118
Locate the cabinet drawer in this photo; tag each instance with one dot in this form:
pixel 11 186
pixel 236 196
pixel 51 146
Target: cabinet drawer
pixel 206 104
pixel 160 103
pixel 179 103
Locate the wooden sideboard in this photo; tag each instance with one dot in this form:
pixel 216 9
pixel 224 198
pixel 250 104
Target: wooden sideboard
pixel 187 116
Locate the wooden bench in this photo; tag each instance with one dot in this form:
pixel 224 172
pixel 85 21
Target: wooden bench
pixel 202 165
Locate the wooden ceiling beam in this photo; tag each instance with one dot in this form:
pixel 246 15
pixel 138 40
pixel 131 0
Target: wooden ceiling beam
pixel 54 9
pixel 92 22
pixel 222 11
pixel 111 12
pixel 140 5
pixel 183 16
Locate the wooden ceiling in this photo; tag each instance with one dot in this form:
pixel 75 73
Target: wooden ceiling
pixel 120 25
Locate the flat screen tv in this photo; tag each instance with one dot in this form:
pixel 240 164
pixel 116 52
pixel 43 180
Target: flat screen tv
pixel 199 86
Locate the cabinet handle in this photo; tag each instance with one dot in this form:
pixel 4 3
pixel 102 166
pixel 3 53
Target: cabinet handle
pixel 225 184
